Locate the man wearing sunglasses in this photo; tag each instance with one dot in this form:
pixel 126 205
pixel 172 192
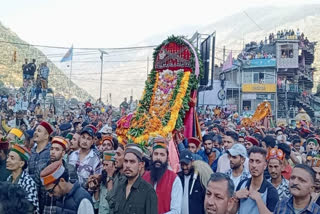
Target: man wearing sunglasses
pixel 275 159
pixel 72 198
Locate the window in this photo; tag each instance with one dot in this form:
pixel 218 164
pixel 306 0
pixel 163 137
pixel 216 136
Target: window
pixel 258 77
pixel 247 77
pixel 287 51
pixel 246 105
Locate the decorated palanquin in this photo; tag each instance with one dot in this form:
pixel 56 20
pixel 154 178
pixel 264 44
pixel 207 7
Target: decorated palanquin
pixel 263 114
pixel 169 96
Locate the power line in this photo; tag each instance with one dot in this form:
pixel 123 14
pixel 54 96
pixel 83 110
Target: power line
pixel 60 47
pixel 252 20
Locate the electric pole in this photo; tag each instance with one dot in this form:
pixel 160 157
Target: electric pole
pixel 101 57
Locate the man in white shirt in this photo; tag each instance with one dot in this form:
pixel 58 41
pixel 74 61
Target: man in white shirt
pixel 228 141
pixel 237 156
pixel 193 189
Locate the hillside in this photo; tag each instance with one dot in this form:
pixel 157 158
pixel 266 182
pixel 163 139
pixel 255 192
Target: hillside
pixel 11 72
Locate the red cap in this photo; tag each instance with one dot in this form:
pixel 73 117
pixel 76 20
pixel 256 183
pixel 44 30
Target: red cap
pixel 194 140
pixel 47 126
pixel 253 140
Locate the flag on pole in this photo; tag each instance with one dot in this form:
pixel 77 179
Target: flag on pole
pixel 68 55
pixel 228 63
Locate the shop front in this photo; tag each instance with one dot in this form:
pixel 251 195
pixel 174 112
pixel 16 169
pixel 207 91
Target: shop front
pixel 253 94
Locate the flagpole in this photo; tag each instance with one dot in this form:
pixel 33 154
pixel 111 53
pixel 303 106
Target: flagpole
pixel 70 78
pixel 70 73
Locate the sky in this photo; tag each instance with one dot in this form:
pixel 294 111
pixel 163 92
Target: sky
pixel 116 23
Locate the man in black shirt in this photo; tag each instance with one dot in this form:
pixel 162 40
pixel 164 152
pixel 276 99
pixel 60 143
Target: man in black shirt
pixel 32 69
pixel 134 195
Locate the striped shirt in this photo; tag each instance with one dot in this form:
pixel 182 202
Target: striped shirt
pixel 285 206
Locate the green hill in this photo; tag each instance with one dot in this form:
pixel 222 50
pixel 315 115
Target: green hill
pixel 11 71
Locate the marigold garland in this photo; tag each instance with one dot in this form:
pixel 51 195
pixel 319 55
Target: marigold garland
pixel 174 113
pixel 160 116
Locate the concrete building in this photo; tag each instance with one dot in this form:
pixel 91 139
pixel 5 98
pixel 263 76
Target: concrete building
pixel 278 70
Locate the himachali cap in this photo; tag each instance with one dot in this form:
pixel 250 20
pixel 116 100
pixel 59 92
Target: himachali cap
pixel 16 132
pixel 69 136
pixel 4 144
pixel 52 173
pixel 135 149
pixel 160 142
pixel 61 141
pixel 194 140
pixel 109 138
pixel 276 154
pixel 21 151
pixel 238 149
pixel 253 140
pixel 314 140
pixel 109 156
pixel 47 126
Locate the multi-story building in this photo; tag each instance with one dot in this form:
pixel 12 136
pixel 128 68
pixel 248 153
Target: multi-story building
pixel 278 70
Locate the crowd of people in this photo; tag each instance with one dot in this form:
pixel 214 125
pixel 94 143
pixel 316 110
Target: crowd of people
pixel 255 55
pixel 77 165
pixel 35 86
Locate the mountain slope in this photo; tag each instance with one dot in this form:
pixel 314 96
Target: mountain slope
pixel 11 72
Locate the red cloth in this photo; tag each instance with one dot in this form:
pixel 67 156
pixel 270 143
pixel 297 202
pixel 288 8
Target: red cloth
pixel 286 173
pixel 164 189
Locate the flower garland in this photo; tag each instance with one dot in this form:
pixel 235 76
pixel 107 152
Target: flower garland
pixel 161 114
pixel 174 113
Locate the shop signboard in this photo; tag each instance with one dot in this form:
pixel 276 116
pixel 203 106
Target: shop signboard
pixel 256 87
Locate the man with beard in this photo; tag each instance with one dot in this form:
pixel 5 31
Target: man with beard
pixel 166 183
pixel 237 156
pixel 193 190
pixel 57 151
pixel 40 154
pixel 115 176
pixel 256 194
pixel 135 195
pixel 210 155
pixel 219 194
pixel 301 185
pixel 275 166
pixel 99 186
